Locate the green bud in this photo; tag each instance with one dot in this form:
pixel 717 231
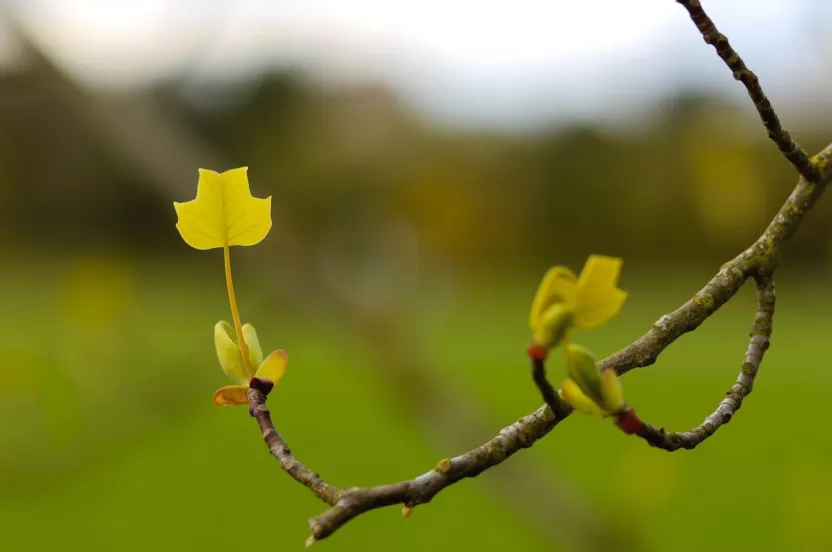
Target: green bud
pixel 603 389
pixel 255 353
pixel 228 350
pixel 554 325
pixel 580 365
pixel 228 353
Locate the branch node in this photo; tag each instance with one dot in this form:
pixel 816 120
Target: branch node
pixel 443 466
pixel 261 384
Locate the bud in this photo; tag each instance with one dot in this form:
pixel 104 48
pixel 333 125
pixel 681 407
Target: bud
pixel 228 350
pixel 552 310
pixel 553 326
pixel 586 384
pixel 580 365
pixel 255 353
pixel 228 353
pixel 572 394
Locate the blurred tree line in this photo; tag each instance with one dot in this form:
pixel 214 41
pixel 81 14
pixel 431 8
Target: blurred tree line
pixel 698 181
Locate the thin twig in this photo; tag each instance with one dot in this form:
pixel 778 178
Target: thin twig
pixel 550 396
pixel 758 343
pixel 280 450
pixel 790 149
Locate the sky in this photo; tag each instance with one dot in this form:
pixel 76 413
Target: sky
pixel 502 64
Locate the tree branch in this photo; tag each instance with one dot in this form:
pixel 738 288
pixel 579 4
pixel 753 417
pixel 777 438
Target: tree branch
pixel 758 261
pixel 280 450
pixel 758 343
pixel 762 257
pixel 790 149
pixel 420 490
pixel 537 494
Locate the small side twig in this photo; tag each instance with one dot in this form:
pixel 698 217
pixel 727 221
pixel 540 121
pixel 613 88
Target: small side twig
pixel 759 342
pixel 796 155
pixel 550 396
pixel 280 450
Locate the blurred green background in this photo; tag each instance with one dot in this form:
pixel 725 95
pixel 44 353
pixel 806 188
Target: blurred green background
pixel 413 219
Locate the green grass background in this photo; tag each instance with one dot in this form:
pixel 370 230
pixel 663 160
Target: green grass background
pixel 110 440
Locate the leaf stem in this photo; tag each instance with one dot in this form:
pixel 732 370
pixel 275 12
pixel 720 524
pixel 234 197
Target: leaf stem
pixel 235 314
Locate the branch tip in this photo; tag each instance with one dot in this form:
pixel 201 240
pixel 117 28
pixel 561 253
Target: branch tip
pixel 263 385
pixel 790 149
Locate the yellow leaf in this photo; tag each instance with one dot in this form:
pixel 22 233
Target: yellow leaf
pixel 571 393
pixel 231 395
pixel 224 212
pixel 273 367
pixel 598 298
pixel 558 286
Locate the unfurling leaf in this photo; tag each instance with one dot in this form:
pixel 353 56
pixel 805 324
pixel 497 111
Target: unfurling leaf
pixel 580 365
pixel 228 350
pixel 255 353
pixel 587 385
pixel 598 298
pixel 231 395
pixel 564 301
pixel 553 326
pixel 558 286
pixel 273 367
pixel 228 353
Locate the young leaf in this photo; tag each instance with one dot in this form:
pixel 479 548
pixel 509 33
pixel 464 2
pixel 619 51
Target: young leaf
pixel 224 212
pixel 558 286
pixel 273 367
pixel 598 298
pixel 231 395
pixel 228 353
